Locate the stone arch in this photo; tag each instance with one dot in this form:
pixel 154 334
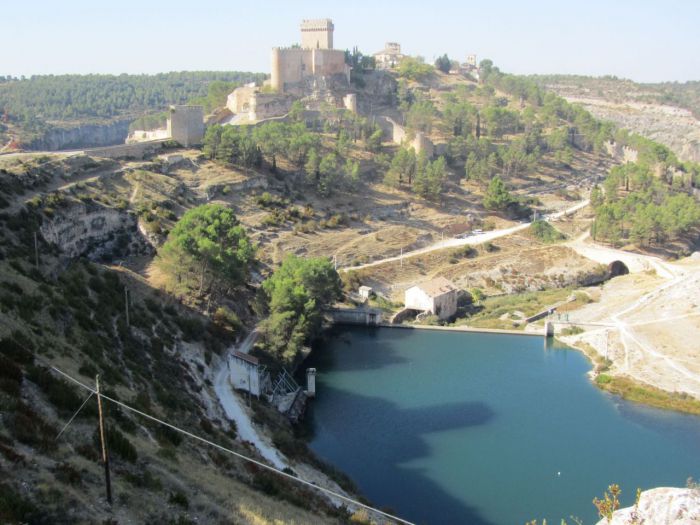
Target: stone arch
pixel 617 268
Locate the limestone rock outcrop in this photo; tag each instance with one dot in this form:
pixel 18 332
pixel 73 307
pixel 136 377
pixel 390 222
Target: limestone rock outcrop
pixel 661 506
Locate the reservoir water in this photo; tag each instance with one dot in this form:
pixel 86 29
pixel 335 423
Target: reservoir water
pixel 465 428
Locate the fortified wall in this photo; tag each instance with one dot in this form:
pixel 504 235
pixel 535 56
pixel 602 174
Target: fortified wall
pixel 420 143
pixel 315 57
pixel 289 66
pixel 620 152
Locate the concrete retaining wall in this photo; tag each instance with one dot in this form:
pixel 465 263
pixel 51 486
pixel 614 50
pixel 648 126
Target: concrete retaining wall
pixel 355 316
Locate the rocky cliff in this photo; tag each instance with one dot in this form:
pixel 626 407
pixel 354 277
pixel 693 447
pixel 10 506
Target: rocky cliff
pixel 95 231
pixel 82 136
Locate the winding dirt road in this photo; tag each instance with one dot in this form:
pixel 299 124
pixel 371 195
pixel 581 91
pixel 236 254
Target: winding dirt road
pixel 471 240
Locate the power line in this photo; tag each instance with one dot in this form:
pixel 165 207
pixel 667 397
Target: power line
pixel 232 452
pixel 74 416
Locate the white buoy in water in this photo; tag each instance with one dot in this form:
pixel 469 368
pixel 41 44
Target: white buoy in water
pixel 558 473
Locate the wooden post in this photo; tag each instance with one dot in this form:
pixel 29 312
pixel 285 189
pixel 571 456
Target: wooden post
pixel 105 457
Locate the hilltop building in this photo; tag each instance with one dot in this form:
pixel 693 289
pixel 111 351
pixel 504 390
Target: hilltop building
pixel 389 57
pixel 314 58
pixel 312 71
pixel 437 296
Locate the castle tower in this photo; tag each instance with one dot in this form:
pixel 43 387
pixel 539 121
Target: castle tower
pixel 276 81
pixel 186 124
pixel 317 34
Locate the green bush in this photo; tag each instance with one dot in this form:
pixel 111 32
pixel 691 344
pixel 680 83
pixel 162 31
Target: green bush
pixel 603 379
pixel 179 498
pixel 545 232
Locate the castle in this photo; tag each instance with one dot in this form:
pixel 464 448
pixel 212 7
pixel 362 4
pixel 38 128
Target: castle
pixel 315 57
pixel 312 71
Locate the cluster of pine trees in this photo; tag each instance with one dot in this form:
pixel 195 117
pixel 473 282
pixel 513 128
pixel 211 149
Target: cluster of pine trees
pixel 636 206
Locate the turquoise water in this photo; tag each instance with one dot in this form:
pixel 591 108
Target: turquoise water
pixel 446 427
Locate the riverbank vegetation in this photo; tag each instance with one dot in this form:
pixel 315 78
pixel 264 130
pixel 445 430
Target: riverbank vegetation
pixel 633 390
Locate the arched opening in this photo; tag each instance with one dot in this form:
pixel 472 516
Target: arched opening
pixel 617 268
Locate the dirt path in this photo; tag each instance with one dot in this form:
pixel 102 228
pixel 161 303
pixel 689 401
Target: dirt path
pixel 655 316
pixel 635 262
pixel 471 240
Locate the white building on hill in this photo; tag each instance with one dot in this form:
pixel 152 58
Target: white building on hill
pixel 438 296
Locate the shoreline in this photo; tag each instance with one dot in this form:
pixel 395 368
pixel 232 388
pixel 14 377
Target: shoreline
pixel 629 388
pixel 625 387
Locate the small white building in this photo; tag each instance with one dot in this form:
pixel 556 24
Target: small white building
pixel 389 57
pixel 245 372
pixel 365 292
pixel 438 296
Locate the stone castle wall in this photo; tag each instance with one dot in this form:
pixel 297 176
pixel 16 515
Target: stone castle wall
pixel 291 65
pixel 420 142
pixel 266 105
pixel 621 153
pixel 137 150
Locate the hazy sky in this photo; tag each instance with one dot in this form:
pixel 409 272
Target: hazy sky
pixel 645 40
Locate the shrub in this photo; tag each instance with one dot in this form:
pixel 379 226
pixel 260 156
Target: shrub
pixel 545 232
pixel 572 330
pixel 603 379
pixel 59 393
pixel 227 319
pixel 179 498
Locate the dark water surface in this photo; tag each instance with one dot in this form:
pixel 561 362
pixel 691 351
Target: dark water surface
pixel 462 428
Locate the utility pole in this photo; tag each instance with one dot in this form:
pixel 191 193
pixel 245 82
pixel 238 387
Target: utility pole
pixel 36 251
pixel 126 304
pixel 105 458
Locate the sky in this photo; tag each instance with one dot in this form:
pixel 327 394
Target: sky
pixel 644 40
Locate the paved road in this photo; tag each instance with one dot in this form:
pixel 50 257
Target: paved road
pixel 471 240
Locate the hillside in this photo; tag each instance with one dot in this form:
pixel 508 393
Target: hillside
pixel 246 233
pixel 668 113
pixel 52 112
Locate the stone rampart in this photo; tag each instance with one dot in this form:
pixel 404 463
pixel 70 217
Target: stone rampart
pixel 136 150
